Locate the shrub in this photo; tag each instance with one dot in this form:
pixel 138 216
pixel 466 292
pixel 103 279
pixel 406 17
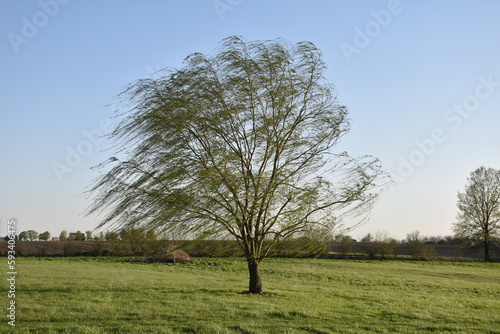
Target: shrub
pixel 387 247
pixel 380 244
pixel 69 248
pixel 346 246
pixel 301 248
pixel 423 252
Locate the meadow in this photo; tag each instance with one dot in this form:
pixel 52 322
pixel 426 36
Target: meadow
pixel 120 295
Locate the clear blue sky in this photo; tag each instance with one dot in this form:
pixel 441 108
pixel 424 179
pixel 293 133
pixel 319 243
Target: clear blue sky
pixel 421 80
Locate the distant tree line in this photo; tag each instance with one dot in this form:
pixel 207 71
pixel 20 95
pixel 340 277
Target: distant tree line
pixel 381 245
pixel 32 235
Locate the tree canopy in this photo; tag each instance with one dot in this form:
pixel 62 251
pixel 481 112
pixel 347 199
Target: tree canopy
pixel 29 235
pixel 44 236
pixel 239 144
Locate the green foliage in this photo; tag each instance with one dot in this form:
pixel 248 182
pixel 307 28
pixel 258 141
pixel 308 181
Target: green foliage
pixel 44 236
pixel 63 236
pixel 118 295
pixel 29 235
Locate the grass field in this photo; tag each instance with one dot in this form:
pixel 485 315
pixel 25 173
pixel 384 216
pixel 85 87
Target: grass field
pixel 112 295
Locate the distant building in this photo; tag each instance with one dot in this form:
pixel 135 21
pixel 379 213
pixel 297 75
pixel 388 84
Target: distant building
pixel 76 236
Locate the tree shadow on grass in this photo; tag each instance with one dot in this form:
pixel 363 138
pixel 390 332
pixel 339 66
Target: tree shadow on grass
pixel 258 294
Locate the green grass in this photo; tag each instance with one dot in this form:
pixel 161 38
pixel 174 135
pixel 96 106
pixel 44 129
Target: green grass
pixel 110 295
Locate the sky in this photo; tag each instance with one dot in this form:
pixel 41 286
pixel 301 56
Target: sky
pixel 421 80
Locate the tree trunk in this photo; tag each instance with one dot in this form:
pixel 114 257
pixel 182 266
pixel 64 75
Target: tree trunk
pixel 255 285
pixel 486 251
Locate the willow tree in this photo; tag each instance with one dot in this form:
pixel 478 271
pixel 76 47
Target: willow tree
pixel 237 144
pixel 478 219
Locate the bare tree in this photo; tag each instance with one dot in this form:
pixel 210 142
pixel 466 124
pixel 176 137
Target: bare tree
pixel 413 237
pixel 478 219
pixel 238 144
